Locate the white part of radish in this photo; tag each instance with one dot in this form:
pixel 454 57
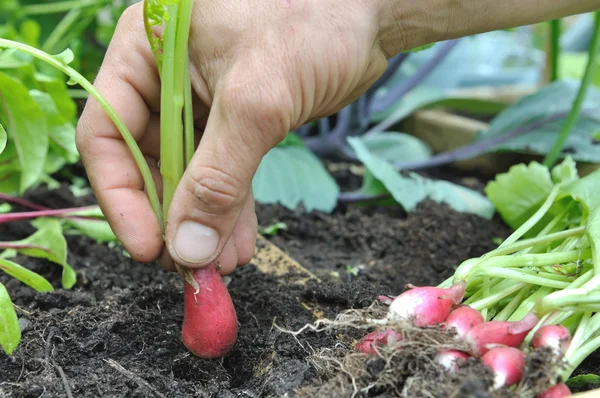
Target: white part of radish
pixel 449 359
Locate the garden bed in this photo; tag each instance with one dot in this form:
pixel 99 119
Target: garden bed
pixel 117 333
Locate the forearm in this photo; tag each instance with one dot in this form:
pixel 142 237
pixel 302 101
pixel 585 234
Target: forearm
pixel 406 24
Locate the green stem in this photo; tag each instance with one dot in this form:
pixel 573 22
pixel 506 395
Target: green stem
pixel 535 260
pixel 577 339
pixel 188 117
pixel 533 220
pixel 554 48
pixel 488 301
pixel 529 303
pixel 571 120
pixel 505 313
pixel 83 82
pixel 171 106
pixel 592 327
pixel 578 356
pixel 60 29
pixel 58 7
pixel 523 277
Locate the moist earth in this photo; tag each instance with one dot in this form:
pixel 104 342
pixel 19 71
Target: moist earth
pixel 117 332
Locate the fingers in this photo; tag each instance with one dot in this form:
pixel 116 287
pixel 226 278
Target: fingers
pixel 129 81
pixel 242 126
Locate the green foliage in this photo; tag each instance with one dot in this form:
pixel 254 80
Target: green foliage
pixel 30 278
pixel 584 382
pixel 3 138
pixel 572 66
pixel 26 126
pixel 291 174
pixel 47 243
pixel 409 189
pixel 273 229
pixel 393 146
pixel 519 193
pixel 10 333
pixel 552 101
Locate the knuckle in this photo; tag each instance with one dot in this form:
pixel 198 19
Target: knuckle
pixel 131 14
pixel 263 107
pixel 215 190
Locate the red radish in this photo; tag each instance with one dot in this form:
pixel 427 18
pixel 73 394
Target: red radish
pixel 426 306
pixel 369 343
pixel 507 363
pixel 209 318
pixel 486 335
pixel 558 391
pixel 463 319
pixel 556 337
pixel 387 300
pixel 450 359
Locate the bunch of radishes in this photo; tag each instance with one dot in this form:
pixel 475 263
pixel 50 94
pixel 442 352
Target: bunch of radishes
pixel 496 343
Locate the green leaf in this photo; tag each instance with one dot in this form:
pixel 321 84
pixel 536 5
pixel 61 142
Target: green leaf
pixel 49 243
pixel 61 131
pixel 65 57
pixel 411 189
pixel 585 190
pixel 565 171
pixel 551 101
pixel 273 229
pixel 5 208
pixel 97 229
pixel 584 382
pixel 292 174
pixel 393 147
pixel 3 138
pixel 26 127
pixel 519 193
pixel 30 278
pixel 10 332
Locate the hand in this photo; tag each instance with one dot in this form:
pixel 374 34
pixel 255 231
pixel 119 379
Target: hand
pixel 259 70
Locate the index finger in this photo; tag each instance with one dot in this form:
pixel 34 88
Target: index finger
pixel 129 81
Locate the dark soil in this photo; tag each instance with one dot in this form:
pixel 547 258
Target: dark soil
pixel 117 333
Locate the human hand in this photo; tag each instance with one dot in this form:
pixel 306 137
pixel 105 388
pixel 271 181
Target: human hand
pixel 259 70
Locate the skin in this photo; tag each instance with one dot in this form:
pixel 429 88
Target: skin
pixel 259 69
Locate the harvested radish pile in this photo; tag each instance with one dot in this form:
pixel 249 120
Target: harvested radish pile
pixel 516 321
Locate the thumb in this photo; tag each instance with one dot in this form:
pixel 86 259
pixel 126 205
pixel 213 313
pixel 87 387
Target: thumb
pixel 217 183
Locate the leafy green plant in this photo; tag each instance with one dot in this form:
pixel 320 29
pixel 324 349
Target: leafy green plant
pixel 47 243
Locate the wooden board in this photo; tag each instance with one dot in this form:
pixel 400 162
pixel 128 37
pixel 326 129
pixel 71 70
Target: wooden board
pixel 271 260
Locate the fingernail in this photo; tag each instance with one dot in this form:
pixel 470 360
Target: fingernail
pixel 195 243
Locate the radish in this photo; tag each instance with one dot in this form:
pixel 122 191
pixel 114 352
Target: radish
pixel 450 359
pixel 486 335
pixel 425 306
pixel 558 391
pixel 387 300
pixel 369 343
pixel 556 337
pixel 209 318
pixel 507 363
pixel 463 319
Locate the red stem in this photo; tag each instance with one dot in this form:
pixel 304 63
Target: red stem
pixel 10 245
pixel 46 213
pixel 21 202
